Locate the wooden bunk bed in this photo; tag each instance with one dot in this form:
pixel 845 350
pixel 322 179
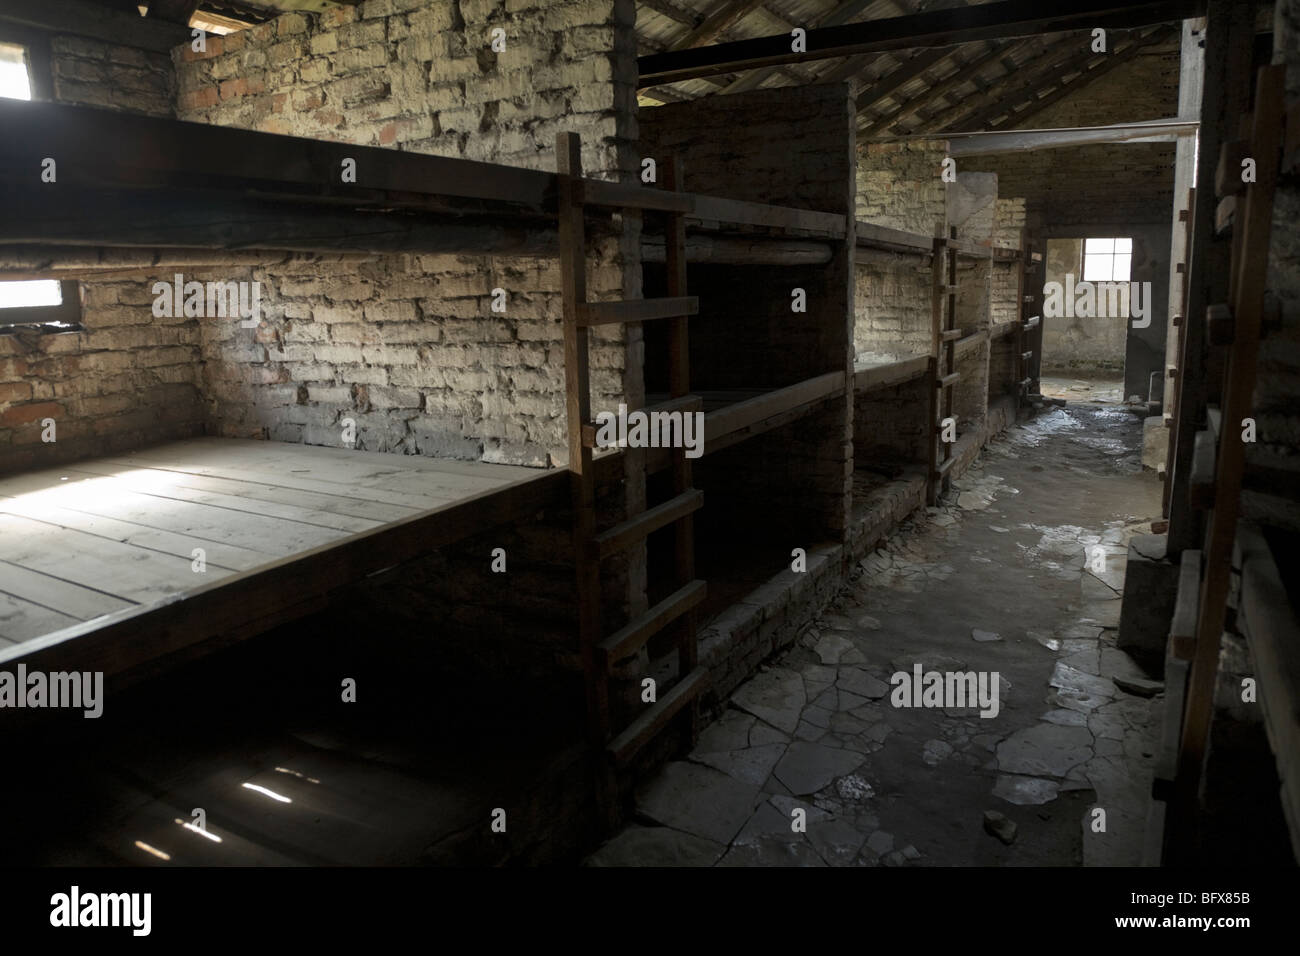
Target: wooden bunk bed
pixel 152 186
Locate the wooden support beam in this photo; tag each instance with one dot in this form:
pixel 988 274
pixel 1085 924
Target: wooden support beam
pixel 948 381
pixel 597 192
pixel 740 212
pixel 936 28
pixel 636 310
pixel 684 404
pixel 1201 487
pixel 752 411
pixel 742 251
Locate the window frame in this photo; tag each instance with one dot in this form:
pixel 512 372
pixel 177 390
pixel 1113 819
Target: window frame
pixel 40 77
pixel 38 318
pixel 1112 255
pixel 40 67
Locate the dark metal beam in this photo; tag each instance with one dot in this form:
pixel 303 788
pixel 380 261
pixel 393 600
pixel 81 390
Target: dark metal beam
pixel 1009 18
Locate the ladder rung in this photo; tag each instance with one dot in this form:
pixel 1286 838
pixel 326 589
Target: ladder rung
pixel 637 310
pixel 949 335
pixel 686 404
pixel 620 196
pixel 949 380
pixel 1029 298
pixel 945 288
pixel 1026 356
pixel 1182 629
pixel 1026 382
pixel 1178 319
pixel 627 640
pixel 1172 371
pixel 941 468
pixel 634 529
pixel 1031 322
pixel 642 730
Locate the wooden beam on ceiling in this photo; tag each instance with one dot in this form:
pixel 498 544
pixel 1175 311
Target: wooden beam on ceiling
pixel 86 19
pixel 964 74
pixel 725 17
pixel 889 84
pixel 934 28
pixel 172 11
pixel 1051 59
pixel 1095 69
pixel 840 15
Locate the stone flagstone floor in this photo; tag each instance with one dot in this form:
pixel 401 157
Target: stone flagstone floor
pixel 1007 576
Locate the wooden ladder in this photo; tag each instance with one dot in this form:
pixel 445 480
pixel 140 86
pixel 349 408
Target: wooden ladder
pixel 943 359
pixel 1029 335
pixel 601 652
pixel 1218 463
pixel 1170 415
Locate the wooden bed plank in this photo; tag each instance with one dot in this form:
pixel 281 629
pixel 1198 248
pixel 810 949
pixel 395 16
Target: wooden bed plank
pixel 291 482
pixel 334 503
pixel 279 452
pixel 131 573
pixel 230 609
pixel 217 553
pixel 336 476
pixel 22 620
pixel 270 536
pixel 77 602
pixel 170 489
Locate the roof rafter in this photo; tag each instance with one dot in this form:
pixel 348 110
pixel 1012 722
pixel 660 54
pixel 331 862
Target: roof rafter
pixel 1097 68
pixel 963 74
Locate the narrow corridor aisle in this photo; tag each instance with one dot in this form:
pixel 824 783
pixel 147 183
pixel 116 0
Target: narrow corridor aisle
pixel 1015 575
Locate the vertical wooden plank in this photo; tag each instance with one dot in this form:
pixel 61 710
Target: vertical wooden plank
pixel 937 273
pixel 679 383
pixel 577 390
pixel 1180 350
pixel 1021 366
pixel 950 347
pixel 1252 232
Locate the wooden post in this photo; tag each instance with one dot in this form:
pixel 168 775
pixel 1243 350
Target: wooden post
pixel 577 389
pixel 679 384
pixel 1252 232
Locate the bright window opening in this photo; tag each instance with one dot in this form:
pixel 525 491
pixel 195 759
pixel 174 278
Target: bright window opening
pixel 30 294
pixel 1107 260
pixel 14 81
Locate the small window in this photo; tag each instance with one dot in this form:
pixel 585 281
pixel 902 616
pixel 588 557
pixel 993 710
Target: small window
pixel 1107 260
pixel 40 305
pixel 14 80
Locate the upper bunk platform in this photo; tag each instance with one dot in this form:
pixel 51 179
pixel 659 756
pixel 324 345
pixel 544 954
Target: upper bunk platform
pixel 98 561
pixel 125 180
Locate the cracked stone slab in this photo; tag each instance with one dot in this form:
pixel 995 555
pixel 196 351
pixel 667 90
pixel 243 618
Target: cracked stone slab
pixel 936 752
pixel 656 846
pixel 984 636
pixel 1071 718
pixel 1080 683
pixel 837 841
pixel 699 800
pixel 750 765
pixel 830 648
pixel 729 732
pixel 857 681
pixel 1026 791
pixel 775 696
pixel 762 733
pixel 1050 750
pixel 807 767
